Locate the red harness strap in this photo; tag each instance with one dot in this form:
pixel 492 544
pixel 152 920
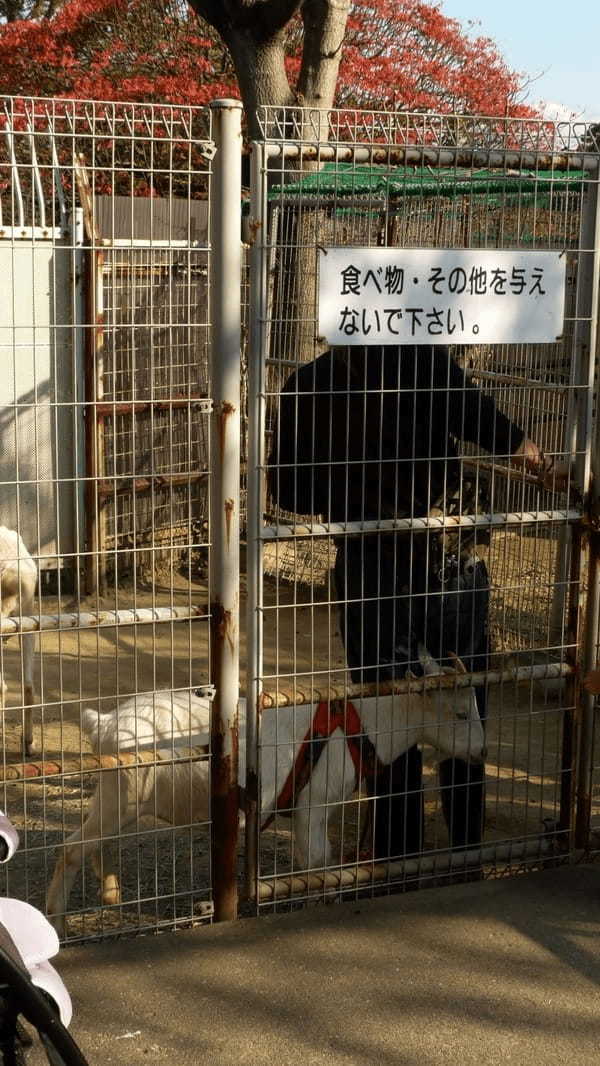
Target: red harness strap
pixel 327 718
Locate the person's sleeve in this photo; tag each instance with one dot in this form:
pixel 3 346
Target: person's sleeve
pixel 290 471
pixel 474 416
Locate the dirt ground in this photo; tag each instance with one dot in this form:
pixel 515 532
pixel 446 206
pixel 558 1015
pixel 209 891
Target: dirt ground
pixel 165 872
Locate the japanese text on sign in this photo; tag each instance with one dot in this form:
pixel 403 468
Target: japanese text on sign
pixel 428 296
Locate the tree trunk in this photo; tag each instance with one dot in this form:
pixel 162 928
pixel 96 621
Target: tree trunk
pixel 261 74
pixel 255 34
pixel 324 33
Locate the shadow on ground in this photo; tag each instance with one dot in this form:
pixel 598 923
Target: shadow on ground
pixel 505 970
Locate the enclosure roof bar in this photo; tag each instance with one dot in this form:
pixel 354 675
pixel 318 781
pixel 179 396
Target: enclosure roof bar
pixel 492 158
pixel 416 525
pixel 296 694
pixel 284 886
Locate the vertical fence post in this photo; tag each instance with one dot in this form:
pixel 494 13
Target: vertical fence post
pixel 591 475
pixel 258 338
pixel 225 362
pixel 94 389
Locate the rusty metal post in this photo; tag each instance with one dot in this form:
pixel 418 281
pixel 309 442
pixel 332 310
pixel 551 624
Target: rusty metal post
pixel 588 325
pixel 576 758
pixel 225 364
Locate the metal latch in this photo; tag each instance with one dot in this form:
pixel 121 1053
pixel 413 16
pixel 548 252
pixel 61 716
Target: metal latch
pixel 206 692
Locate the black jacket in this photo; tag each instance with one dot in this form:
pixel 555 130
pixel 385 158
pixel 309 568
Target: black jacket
pixel 367 433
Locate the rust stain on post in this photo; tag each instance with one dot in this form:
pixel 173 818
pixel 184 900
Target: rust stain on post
pixel 229 506
pixel 224 789
pixel 227 410
pixel 254 225
pixel 224 829
pixel 222 629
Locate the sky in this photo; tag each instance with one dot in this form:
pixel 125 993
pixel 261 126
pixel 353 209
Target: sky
pixel 559 41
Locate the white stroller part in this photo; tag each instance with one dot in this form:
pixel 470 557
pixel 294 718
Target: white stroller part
pixel 9 836
pixel 36 941
pixel 27 942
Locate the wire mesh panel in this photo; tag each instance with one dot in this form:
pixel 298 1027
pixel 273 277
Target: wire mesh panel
pixel 104 545
pixel 155 310
pixel 413 638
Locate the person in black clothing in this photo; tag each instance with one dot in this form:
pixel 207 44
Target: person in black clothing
pixel 370 433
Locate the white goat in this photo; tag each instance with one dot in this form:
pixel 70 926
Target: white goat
pixel 18 581
pixel 176 793
pixel 445 718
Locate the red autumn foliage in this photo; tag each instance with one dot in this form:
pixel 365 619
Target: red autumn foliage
pixel 399 54
pixel 115 50
pixel 408 55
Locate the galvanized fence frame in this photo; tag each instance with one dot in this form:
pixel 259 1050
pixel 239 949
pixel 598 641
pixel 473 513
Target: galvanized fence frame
pixel 57 155
pixel 359 138
pixel 293 143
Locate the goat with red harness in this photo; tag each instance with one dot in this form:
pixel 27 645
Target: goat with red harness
pixel 312 760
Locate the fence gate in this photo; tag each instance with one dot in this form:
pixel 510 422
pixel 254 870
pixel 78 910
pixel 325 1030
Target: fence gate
pixel 105 251
pixel 477 240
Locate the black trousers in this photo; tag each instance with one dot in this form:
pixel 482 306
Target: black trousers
pixel 393 603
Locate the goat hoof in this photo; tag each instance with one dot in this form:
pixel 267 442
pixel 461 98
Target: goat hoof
pixel 111 894
pixel 29 749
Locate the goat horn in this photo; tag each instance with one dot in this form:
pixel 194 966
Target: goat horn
pixel 458 663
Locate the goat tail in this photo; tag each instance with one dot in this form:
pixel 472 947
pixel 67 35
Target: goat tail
pixel 93 725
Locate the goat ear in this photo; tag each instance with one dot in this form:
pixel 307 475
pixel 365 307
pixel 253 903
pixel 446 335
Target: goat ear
pixel 427 661
pixel 458 663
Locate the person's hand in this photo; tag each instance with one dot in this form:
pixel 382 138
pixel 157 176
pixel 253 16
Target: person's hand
pixel 553 475
pixel 528 456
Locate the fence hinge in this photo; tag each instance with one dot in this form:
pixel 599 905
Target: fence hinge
pixel 206 149
pixel 207 692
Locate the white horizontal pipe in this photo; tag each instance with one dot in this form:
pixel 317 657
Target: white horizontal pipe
pixel 438 157
pixel 296 693
pixel 285 887
pixel 481 521
pixel 96 619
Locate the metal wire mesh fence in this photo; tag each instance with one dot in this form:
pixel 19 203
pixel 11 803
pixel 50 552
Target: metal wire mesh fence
pixel 415 585
pixel 105 403
pixel 400 527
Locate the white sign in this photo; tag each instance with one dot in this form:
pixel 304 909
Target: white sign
pixel 431 296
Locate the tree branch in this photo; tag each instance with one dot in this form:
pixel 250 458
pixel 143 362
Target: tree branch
pixel 324 35
pixel 261 19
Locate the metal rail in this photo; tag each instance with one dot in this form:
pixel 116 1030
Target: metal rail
pixel 369 873
pixel 297 695
pixel 493 159
pixel 417 525
pixel 97 619
pixel 87 763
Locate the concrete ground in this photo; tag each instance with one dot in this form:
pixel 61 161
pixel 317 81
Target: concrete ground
pixel 485 973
